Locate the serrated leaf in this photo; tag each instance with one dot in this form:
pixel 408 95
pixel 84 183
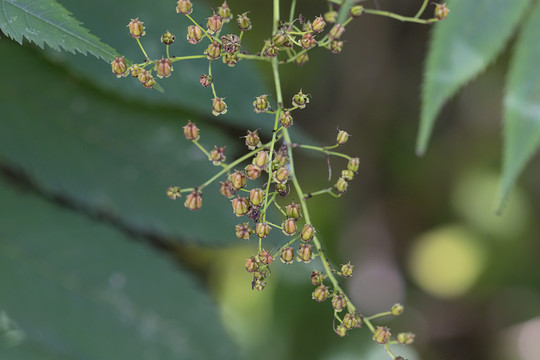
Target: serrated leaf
pixel 107 156
pixel 77 289
pixel 521 107
pixel 461 47
pixel 47 22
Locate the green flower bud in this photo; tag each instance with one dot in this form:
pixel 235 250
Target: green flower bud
pixel 238 179
pixel 174 192
pixel 240 206
pixel 321 293
pixel 256 197
pixel 336 46
pixel 339 302
pixel 279 38
pixel 262 230
pixel 167 38
pixel 271 50
pixel 349 321
pixel 217 155
pixel 318 24
pixel 134 70
pixel 342 137
pixel 302 59
pixel 289 227
pixel 218 106
pixel 316 278
pixel 206 80
pixel 282 175
pixel 285 119
pixel 136 28
pixel 406 338
pixel 194 34
pixel 230 59
pixel 184 7
pixel 336 32
pixel 191 131
pixel 119 67
pixel 213 51
pixel 293 211
pixel 341 186
pixel 281 159
pixel 308 41
pixel 356 10
pixel 346 270
pixel 287 255
pixel 243 231
pixel 193 200
pixel 441 11
pixel 214 24
pixel 252 265
pixel 348 175
pixel 341 330
pixel 163 68
pixel 353 164
pixel 253 140
pixel 397 309
pixel 300 100
pixel 244 23
pixel 282 189
pixel 225 12
pixel 261 160
pixel 331 16
pixel 253 172
pixel 305 253
pixel 308 232
pixel 382 335
pixel 261 104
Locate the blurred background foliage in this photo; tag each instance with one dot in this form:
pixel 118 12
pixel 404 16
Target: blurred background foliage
pixel 96 262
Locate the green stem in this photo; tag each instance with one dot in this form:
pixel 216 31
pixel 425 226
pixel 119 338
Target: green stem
pixel 202 148
pixel 386 313
pixel 210 74
pixel 421 11
pixel 276 16
pixel 168 56
pixel 253 57
pixel 320 192
pixel 142 48
pixel 323 150
pixel 399 17
pixel 190 57
pixel 293 8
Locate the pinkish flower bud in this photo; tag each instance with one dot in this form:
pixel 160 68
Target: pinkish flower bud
pixel 217 155
pixel 287 255
pixel 321 293
pixel 265 257
pixel 191 131
pixel 285 119
pixel 184 7
pixel 308 232
pixel 308 41
pixel 243 231
pixel 253 140
pixel 316 278
pixel 262 229
pixel 194 34
pixel 336 32
pixel 253 172
pixel 293 211
pixel 244 23
pixel 193 200
pixel 163 68
pixel 300 100
pixel 353 164
pixel 289 227
pixel 119 67
pixel 261 160
pixel 282 175
pixel 213 51
pixel 318 24
pixel 261 104
pixel 252 265
pixel 305 252
pixel 238 179
pixel 214 24
pixel 225 12
pixel 339 302
pixel 382 335
pixel 441 11
pixel 256 197
pixel 136 28
pixel 240 206
pixel 206 80
pixel 167 38
pixel 218 106
pixel 174 192
pixel 227 189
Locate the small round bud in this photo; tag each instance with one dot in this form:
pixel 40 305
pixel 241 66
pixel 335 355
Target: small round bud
pixel 230 59
pixel 347 270
pixel 305 253
pixel 308 41
pixel 339 302
pixel 119 67
pixel 243 231
pixel 336 46
pixel 146 79
pixel 167 38
pixel 265 257
pixel 184 7
pixel 262 230
pixel 341 330
pixel 225 12
pixel 331 16
pixel 302 59
pixel 406 338
pixel 227 189
pixel 163 68
pixel 300 100
pixel 258 284
pixel 136 28
pixel 336 32
pixel 342 137
pixel 238 179
pixel 271 50
pixel 289 227
pixel 353 164
pixel 217 155
pixel 285 119
pixel 214 24
pixel 348 175
pixel 279 38
pixel 318 24
pixel 252 265
pixel 253 172
pixel 281 159
pixel 256 197
pixel 261 160
pixel 134 70
pixel 244 23
pixel 193 200
pixel 293 211
pixel 261 104
pixel 282 189
pixel 282 175
pixel 308 232
pixel 194 34
pixel 287 255
pixel 397 309
pixel 191 131
pixel 349 320
pixel 213 51
pixel 253 140
pixel 240 206
pixel 356 10
pixel 218 106
pixel 316 278
pixel 441 11
pixel 231 43
pixel 174 192
pixel 382 335
pixel 206 80
pixel 321 293
pixel 341 186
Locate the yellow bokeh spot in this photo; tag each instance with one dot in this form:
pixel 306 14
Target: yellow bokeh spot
pixel 447 261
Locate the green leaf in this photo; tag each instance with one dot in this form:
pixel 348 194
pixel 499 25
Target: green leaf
pixel 461 47
pixel 107 156
pixel 78 289
pixel 521 107
pixel 47 22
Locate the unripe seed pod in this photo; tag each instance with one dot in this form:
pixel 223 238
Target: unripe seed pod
pixel 341 330
pixel 342 137
pixel 213 51
pixel 300 100
pixel 302 59
pixel 382 335
pixel 231 43
pixel 308 41
pixel 193 200
pixel 287 255
pixel 406 338
pixel 230 59
pixel 289 227
pixel 285 119
pixel 167 38
pixel 191 131
pixel 262 230
pixel 119 67
pixel 279 38
pixel 348 175
pixel 206 80
pixel 305 253
pixel 336 32
pixel 339 302
pixel 174 192
pixel 184 7
pixel 397 309
pixel 347 270
pixel 217 155
pixel 308 232
pixel 282 175
pixel 336 46
pixel 244 23
pixel 146 78
pixel 316 278
pixel 293 211
pixel 318 24
pixel 341 186
pixel 218 106
pixel 134 70
pixel 356 10
pixel 253 140
pixel 358 318
pixel 256 197
pixel 261 104
pixel 281 159
pixel 214 24
pixel 331 16
pixel 238 179
pixel 353 164
pixel 227 189
pixel 163 68
pixel 253 172
pixel 261 160
pixel 349 321
pixel 225 12
pixel 441 11
pixel 136 28
pixel 265 257
pixel 258 284
pixel 194 34
pixel 252 265
pixel 271 50
pixel 243 231
pixel 240 206
pixel 321 293
pixel 282 189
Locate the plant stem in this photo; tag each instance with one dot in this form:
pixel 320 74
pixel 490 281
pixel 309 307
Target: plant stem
pixel 179 58
pixel 399 17
pixel 210 74
pixel 321 149
pixel 142 48
pixel 293 8
pixel 421 11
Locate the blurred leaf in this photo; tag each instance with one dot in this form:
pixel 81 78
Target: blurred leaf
pixel 461 47
pixel 521 107
pixel 47 22
pixel 111 157
pixel 82 290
